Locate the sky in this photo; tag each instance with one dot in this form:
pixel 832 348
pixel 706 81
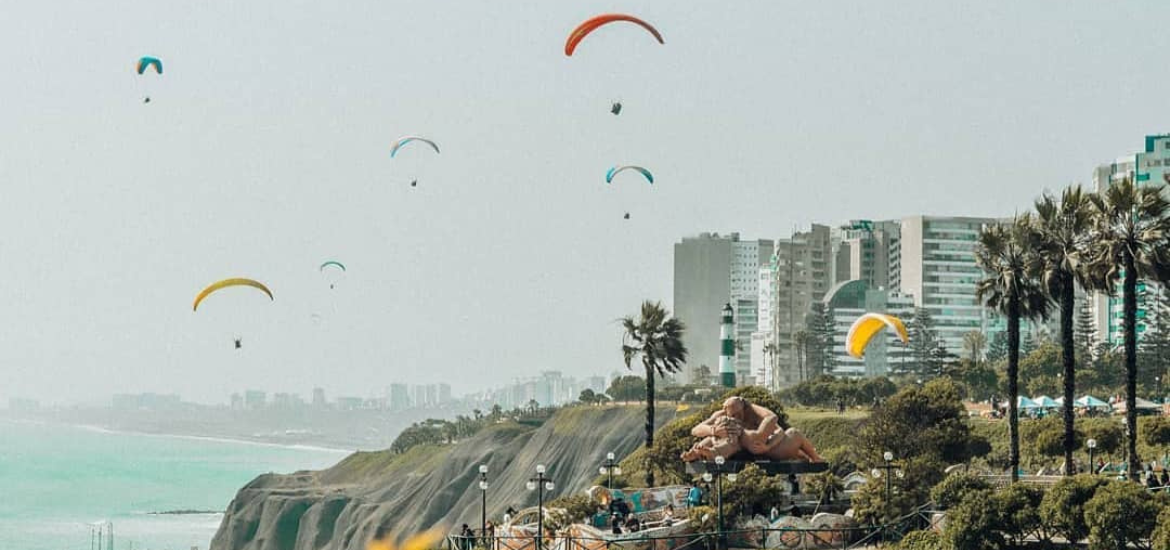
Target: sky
pixel 265 151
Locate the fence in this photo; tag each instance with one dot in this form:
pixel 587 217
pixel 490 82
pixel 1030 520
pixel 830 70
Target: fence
pixel 817 538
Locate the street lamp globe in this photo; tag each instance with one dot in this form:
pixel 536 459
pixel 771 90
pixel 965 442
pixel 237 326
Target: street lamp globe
pixel 548 486
pixel 609 456
pixel 1091 443
pixel 540 468
pixel 720 460
pixel 708 477
pixel 732 477
pixel 483 468
pixel 900 473
pixel 617 470
pixel 483 485
pixel 875 473
pixel 531 485
pixel 603 470
pixel 888 456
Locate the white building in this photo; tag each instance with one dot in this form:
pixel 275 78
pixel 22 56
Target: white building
pixel 937 268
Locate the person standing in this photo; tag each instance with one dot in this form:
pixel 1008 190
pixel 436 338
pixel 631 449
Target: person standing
pixel 467 537
pixel 695 495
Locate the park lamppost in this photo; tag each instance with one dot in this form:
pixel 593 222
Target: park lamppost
pixel 1158 382
pixel 540 484
pixel 483 487
pixel 1092 445
pixel 720 471
pixel 610 468
pixel 889 468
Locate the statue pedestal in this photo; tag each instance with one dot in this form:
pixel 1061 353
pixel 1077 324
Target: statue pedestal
pixel 771 467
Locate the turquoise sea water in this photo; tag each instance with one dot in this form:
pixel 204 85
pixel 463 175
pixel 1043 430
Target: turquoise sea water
pixel 57 480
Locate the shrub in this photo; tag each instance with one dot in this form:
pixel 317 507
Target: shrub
pixel 576 507
pixel 921 540
pixel 974 524
pixel 869 503
pixel 1119 514
pixel 704 519
pixel 826 486
pixel 951 490
pixel 1161 537
pixel 754 490
pixel 1019 511
pixel 1062 508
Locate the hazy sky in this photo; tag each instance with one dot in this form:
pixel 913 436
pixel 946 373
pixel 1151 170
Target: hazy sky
pixel 265 151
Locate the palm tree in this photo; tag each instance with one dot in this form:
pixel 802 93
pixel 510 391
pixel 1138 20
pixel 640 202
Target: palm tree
pixel 800 345
pixel 770 350
pixel 657 339
pixel 1006 254
pixel 1065 228
pixel 1131 239
pixel 974 343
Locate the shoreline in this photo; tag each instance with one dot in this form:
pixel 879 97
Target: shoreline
pixel 193 437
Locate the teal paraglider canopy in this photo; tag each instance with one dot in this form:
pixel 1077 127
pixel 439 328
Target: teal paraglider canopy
pixel 147 62
pixel 613 172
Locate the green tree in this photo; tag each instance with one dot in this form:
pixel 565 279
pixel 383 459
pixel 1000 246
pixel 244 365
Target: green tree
pixel 1039 369
pixel 821 327
pixel 974 524
pixel 1019 509
pixel 921 540
pixel 627 388
pixel 825 486
pixel 1085 331
pixel 1063 506
pixel 955 487
pixel 1120 514
pixel 908 491
pixel 1006 255
pixel 974 342
pixel 1161 537
pixel 1130 241
pixel 1156 431
pixel 997 348
pixel 923 342
pixel 1064 234
pixel 1154 345
pixel 587 397
pixel 656 338
pixel 981 379
pixel 753 490
pixel 927 421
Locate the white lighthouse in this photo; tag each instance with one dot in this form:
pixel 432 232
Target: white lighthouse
pixel 727 349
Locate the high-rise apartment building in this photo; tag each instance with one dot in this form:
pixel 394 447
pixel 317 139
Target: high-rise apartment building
pixel 1150 166
pixel 709 271
pixel 399 397
pixel 799 272
pixel 937 268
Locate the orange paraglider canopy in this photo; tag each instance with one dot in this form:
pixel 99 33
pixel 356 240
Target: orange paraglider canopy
pixel 593 23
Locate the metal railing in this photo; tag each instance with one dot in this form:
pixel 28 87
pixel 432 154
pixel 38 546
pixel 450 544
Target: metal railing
pixel 768 538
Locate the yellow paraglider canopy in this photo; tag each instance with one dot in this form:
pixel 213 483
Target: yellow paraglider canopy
pixel 226 283
pixel 869 325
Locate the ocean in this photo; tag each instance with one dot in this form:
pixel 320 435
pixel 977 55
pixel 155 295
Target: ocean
pixel 57 481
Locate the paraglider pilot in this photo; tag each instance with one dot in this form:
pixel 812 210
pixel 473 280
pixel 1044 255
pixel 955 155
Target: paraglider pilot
pixel 616 108
pixel 239 343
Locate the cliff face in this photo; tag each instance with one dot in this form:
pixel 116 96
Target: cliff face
pixel 342 507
